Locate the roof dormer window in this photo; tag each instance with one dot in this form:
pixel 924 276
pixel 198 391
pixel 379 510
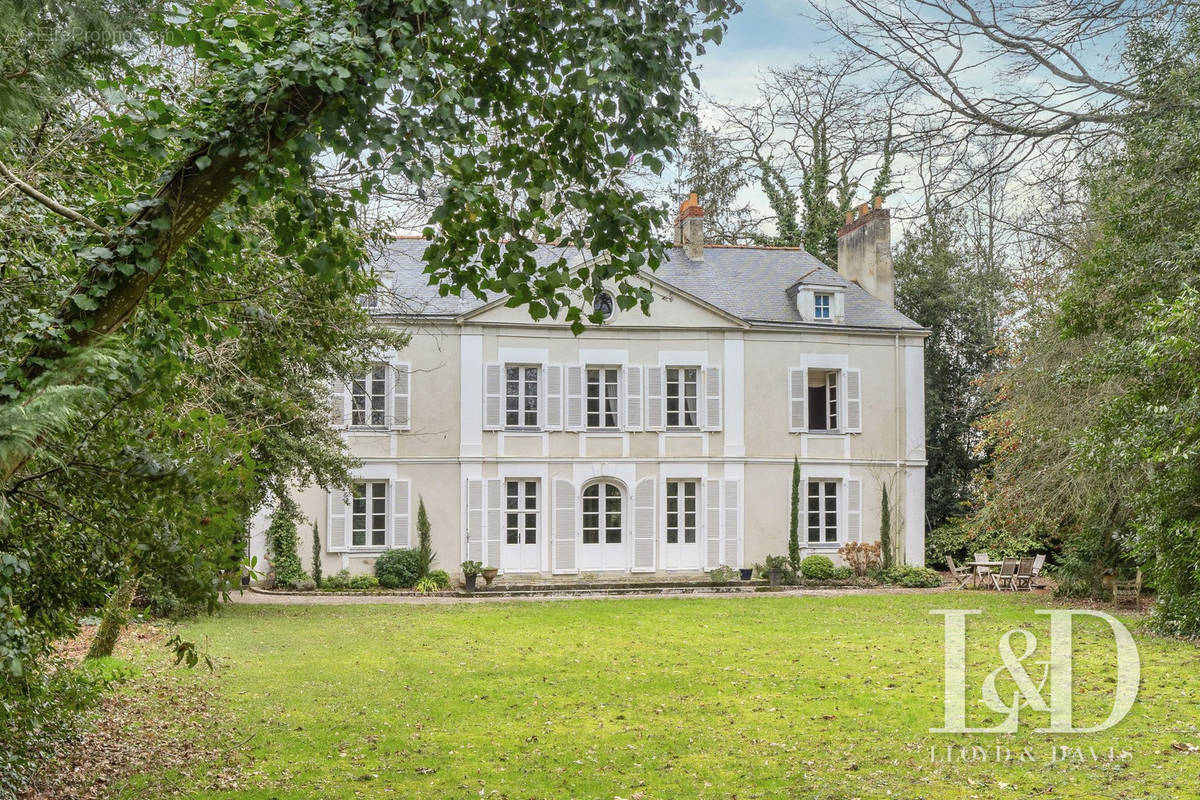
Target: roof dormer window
pixel 822 306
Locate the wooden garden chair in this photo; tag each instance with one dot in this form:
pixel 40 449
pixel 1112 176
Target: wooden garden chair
pixel 983 572
pixel 1004 578
pixel 961 576
pixel 1039 561
pixel 1023 579
pixel 1128 592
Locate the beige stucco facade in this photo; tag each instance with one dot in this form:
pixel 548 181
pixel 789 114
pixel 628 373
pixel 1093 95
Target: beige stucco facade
pixel 733 467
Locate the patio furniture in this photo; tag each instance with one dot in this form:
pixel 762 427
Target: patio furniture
pixel 1004 578
pixel 1039 561
pixel 982 569
pixel 961 576
pixel 1023 579
pixel 1128 592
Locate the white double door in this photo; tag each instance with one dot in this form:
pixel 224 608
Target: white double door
pixel 602 541
pixel 520 542
pixel 681 548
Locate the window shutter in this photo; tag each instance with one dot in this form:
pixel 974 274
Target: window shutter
pixel 474 520
pixel 712 399
pixel 797 399
pixel 633 398
pixel 643 526
pixel 564 526
pixel 712 537
pixel 401 514
pixel 335 531
pixel 731 523
pixel 807 304
pixel 339 401
pixel 574 397
pixel 554 397
pixel 854 510
pixel 493 399
pixel 400 396
pixel 852 390
pixel 494 523
pixel 655 385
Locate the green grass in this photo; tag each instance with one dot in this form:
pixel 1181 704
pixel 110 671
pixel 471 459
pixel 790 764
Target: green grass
pixel 680 698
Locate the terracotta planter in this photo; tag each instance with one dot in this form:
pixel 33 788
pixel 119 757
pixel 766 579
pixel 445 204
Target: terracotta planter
pixel 489 574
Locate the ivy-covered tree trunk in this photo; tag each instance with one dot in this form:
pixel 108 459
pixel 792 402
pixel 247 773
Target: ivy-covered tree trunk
pixel 885 531
pixel 794 526
pixel 116 612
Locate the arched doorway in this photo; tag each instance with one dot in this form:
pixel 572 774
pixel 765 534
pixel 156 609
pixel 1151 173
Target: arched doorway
pixel 602 535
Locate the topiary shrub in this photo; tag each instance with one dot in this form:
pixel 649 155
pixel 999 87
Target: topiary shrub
pixel 911 577
pixel 316 554
pixel 817 568
pixel 398 569
pixel 281 544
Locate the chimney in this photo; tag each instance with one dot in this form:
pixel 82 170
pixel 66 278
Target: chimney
pixel 865 250
pixel 689 228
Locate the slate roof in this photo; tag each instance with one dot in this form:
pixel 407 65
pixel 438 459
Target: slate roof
pixel 755 284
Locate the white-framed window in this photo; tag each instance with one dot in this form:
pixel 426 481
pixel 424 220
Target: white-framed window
pixel 521 385
pixel 603 397
pixel 602 513
pixel 683 391
pixel 368 397
pixel 824 402
pixel 822 512
pixel 520 512
pixel 681 511
pixel 368 514
pixel 822 306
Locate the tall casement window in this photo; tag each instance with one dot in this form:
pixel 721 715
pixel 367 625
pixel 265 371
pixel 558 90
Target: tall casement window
pixel 823 400
pixel 368 515
pixel 520 397
pixel 822 512
pixel 603 399
pixel 681 512
pixel 368 397
pixel 602 514
pixel 683 388
pixel 823 306
pixel 521 510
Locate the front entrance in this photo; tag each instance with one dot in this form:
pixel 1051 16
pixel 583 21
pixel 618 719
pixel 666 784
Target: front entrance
pixel 519 551
pixel 683 536
pixel 603 534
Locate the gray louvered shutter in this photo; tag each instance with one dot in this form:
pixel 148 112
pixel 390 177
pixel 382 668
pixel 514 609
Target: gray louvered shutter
pixel 643 526
pixel 712 533
pixel 574 397
pixel 401 396
pixel 797 399
pixel 732 529
pixel 633 398
pixel 655 386
pixel 495 524
pixel 335 530
pixel 474 520
pixel 852 391
pixel 854 532
pixel 401 514
pixel 339 402
pixel 564 526
pixel 712 399
pixel 554 397
pixel 493 397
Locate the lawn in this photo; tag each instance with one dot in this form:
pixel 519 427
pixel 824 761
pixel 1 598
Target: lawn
pixel 813 697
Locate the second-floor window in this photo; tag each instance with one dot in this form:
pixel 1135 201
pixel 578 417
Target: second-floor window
pixel 368 515
pixel 823 400
pixel 603 398
pixel 368 397
pixel 683 389
pixel 520 396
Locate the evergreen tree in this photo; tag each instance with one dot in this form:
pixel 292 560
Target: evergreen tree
pixel 885 531
pixel 794 526
pixel 424 539
pixel 316 556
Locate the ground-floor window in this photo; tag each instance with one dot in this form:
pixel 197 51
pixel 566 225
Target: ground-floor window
pixel 822 512
pixel 602 513
pixel 681 511
pixel 368 515
pixel 520 525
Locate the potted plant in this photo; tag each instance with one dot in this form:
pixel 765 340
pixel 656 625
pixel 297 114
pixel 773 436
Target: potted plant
pixel 471 570
pixel 489 573
pixel 747 573
pixel 775 566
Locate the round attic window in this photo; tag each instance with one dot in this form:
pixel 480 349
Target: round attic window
pixel 603 305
